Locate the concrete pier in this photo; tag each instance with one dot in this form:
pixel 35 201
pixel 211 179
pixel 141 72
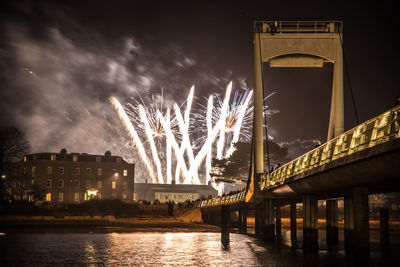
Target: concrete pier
pixel 384 228
pixel 293 223
pixel 268 226
pixel 278 222
pixel 310 219
pixel 332 230
pixel 225 224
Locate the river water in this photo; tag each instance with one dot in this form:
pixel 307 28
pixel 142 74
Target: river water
pixel 166 249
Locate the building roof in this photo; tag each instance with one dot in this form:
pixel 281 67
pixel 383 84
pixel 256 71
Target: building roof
pixel 64 156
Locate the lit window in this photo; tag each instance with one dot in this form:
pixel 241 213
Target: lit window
pixel 48 183
pixel 99 195
pixel 60 183
pixel 99 184
pixel 33 171
pixel 60 197
pixel 114 195
pixel 33 181
pixel 25 159
pixel 61 170
pixel 87 183
pixel 113 185
pixel 75 158
pixel 77 171
pixel 98 159
pixel 49 170
pixel 48 197
pixel 76 197
pixel 118 160
pixel 125 185
pixel 76 184
pixel 125 172
pixel 124 195
pixel 99 172
pixel 53 157
pixel 88 171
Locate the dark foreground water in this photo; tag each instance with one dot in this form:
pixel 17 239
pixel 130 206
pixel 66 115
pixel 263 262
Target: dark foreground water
pixel 164 249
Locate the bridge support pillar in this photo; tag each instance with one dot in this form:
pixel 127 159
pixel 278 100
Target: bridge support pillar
pixel 357 223
pixel 332 230
pixel 310 219
pixel 268 225
pixel 278 222
pixel 384 228
pixel 243 221
pixel 225 224
pixel 257 218
pixel 293 224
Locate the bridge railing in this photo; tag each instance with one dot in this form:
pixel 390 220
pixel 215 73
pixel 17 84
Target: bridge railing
pixel 224 200
pixel 378 130
pixel 297 26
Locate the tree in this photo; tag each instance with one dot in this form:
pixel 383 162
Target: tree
pixel 13 145
pixel 236 167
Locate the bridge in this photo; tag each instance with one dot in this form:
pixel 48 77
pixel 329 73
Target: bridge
pixel 350 165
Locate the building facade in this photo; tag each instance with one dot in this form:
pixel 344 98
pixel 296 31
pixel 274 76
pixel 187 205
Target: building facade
pixel 177 193
pixel 71 177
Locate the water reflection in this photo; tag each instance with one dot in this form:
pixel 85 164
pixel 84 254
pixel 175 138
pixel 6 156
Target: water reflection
pixel 164 249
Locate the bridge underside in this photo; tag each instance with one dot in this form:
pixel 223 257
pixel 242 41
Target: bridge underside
pixel 378 172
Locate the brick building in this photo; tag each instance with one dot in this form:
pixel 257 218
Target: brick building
pixel 71 177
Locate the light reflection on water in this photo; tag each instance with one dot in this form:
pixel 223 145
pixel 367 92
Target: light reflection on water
pixel 154 249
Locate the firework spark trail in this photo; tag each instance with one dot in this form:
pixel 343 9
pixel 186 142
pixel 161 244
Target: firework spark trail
pixel 169 147
pixel 133 134
pixel 172 141
pixel 238 125
pixel 222 121
pixel 210 105
pixel 150 138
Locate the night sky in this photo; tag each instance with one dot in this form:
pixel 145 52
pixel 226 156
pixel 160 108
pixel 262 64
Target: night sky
pixel 62 60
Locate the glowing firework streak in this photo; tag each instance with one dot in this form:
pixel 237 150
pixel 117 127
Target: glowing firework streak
pixel 222 121
pixel 238 124
pixel 149 134
pixel 133 134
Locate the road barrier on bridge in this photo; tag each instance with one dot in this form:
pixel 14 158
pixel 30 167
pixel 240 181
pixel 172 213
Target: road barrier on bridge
pixel 378 130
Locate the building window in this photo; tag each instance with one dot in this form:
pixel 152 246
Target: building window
pixel 25 159
pixel 76 197
pixel 125 172
pixel 24 171
pixel 99 195
pixel 60 197
pixel 118 160
pixel 33 172
pixel 77 171
pixel 87 183
pixel 125 185
pixel 99 172
pixel 99 184
pixel 113 184
pixel 88 171
pixel 48 183
pixel 75 158
pixel 76 184
pixel 48 197
pixel 61 171
pixel 49 170
pixel 124 195
pixel 60 183
pixel 53 157
pixel 33 181
pixel 114 195
pixel 98 159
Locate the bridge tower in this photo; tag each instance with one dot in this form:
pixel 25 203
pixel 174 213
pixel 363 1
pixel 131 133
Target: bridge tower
pixel 298 44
